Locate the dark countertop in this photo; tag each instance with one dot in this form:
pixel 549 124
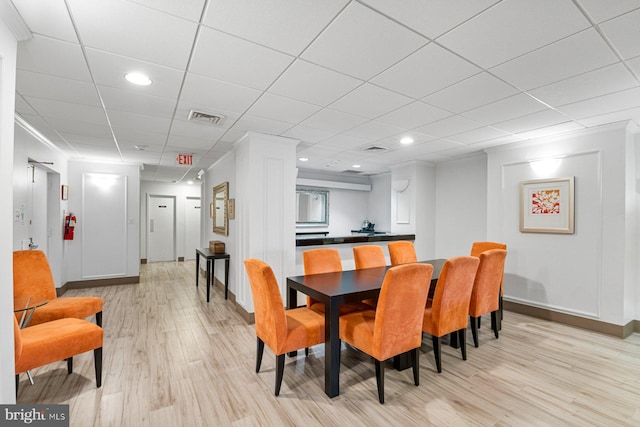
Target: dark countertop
pixel 356 238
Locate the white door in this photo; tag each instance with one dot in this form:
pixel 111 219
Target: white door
pixel 161 229
pixel 192 227
pixel 37 210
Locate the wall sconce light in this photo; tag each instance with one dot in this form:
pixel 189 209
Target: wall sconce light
pixel 400 185
pixel 545 167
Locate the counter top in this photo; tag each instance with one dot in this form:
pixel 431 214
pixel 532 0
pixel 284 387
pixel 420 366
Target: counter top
pixel 356 238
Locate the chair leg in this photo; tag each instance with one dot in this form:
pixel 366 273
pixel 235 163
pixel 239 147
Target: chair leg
pixel 495 321
pixel 279 372
pixel 70 365
pixel 306 352
pixel 500 307
pixel 97 361
pixel 99 319
pixel 479 322
pixel 462 337
pixel 17 383
pixel 380 379
pixel 436 352
pixel 415 362
pixel 475 321
pixel 259 352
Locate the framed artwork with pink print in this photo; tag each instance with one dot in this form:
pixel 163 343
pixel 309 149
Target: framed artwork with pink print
pixel 547 206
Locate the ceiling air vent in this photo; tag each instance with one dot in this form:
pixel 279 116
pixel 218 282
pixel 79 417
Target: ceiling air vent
pixel 374 148
pixel 351 171
pixel 206 118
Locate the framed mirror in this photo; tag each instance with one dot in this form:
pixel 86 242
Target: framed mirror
pixel 220 207
pixel 312 207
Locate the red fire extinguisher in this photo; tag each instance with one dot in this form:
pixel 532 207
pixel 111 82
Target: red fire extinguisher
pixel 69 226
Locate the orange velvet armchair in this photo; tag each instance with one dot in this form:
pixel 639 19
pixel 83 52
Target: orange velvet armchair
pixel 369 256
pixel 486 289
pixel 449 309
pixel 281 330
pixel 476 249
pixel 395 326
pixel 56 340
pixel 402 252
pixel 32 278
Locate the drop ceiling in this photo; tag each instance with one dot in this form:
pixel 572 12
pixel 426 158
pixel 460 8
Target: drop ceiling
pixel 340 76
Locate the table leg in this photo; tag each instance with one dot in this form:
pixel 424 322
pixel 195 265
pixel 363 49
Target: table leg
pixel 197 267
pixel 208 278
pixel 226 278
pixel 332 349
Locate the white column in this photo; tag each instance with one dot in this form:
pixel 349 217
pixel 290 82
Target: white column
pixel 265 208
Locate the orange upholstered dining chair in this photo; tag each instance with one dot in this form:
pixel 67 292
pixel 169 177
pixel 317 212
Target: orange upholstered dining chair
pixel 282 330
pixel 325 260
pixel 394 327
pixel 449 309
pixel 32 278
pixel 402 252
pixel 369 256
pixel 486 289
pixel 60 339
pixel 476 249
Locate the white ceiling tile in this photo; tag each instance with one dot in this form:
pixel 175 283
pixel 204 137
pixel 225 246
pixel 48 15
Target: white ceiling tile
pixel 308 134
pixel 332 120
pixel 133 101
pixel 449 126
pixel 512 28
pixel 426 71
pixel 635 65
pixel 393 141
pixel 471 93
pixel 195 129
pixel 507 108
pixel 187 9
pixel 546 131
pixel 109 69
pixel 130 137
pixel 97 152
pixel 605 104
pixel 431 18
pixel 413 115
pixel 603 10
pixel 46 86
pixel 343 141
pixel 49 56
pixel 277 107
pixel 88 140
pixel 135 31
pixel 477 135
pixel 568 57
pixel 80 128
pixel 532 121
pixel 217 94
pixel 437 145
pixel 188 144
pixel 370 101
pixel 49 18
pixel 313 84
pixel 362 43
pixel 373 130
pixel 22 107
pixel 605 80
pixel 618 116
pixel 288 26
pixel 141 122
pixel 624 33
pixel 228 58
pixel 258 124
pixel 68 111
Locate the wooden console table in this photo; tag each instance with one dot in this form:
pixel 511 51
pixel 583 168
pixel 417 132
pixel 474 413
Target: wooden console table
pixel 211 257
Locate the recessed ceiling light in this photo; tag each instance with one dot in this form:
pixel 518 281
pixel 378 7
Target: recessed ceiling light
pixel 190 182
pixel 355 166
pixel 303 159
pixel 138 79
pixel 406 140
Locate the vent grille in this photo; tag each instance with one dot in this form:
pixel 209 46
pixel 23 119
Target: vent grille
pixel 208 118
pixel 375 148
pixel 351 171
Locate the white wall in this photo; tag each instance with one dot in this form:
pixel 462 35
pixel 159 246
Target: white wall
pixel 83 263
pixel 582 273
pixel 380 201
pixel 8 46
pixel 461 205
pixel 180 192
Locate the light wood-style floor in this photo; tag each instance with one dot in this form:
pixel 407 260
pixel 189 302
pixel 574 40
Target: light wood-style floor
pixel 171 359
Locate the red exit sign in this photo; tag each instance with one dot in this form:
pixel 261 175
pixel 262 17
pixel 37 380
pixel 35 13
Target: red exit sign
pixel 184 159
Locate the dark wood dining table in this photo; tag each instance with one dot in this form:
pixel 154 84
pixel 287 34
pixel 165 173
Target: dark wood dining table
pixel 334 289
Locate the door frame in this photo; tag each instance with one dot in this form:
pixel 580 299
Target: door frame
pixel 148 223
